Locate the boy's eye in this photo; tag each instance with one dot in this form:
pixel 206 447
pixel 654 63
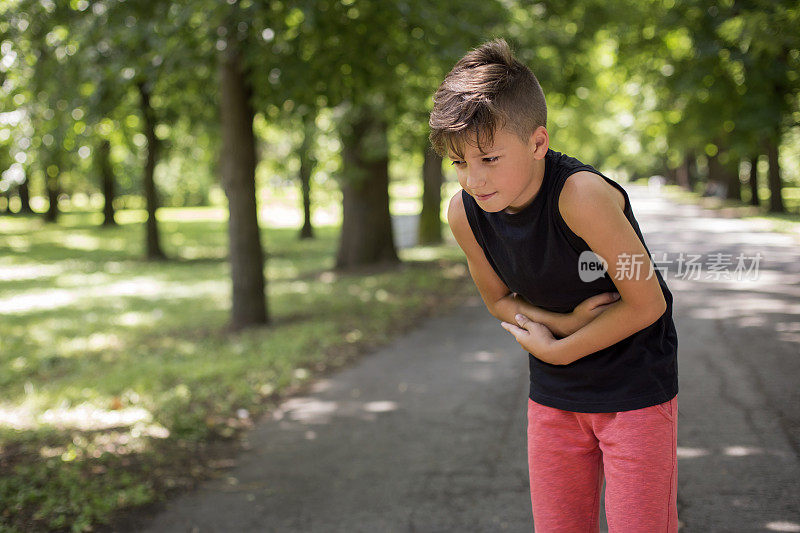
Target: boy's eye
pixel 492 159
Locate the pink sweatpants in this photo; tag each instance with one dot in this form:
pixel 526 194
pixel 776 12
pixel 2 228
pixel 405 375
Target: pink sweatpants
pixel 569 453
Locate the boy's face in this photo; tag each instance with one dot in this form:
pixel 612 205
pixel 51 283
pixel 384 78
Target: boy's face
pixel 507 176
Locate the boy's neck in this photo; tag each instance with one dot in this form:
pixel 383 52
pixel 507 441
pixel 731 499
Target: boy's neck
pixel 530 192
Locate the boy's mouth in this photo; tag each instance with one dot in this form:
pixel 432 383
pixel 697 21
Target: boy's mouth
pixel 485 196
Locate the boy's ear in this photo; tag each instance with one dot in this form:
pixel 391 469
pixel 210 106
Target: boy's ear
pixel 539 142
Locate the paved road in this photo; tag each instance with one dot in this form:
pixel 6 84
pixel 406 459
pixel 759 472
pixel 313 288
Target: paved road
pixel 428 434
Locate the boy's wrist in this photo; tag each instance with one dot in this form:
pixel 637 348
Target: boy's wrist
pixel 554 353
pixel 561 324
pixel 557 354
pixel 570 324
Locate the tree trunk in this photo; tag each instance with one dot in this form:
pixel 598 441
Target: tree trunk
pixel 51 173
pixel 774 176
pixel 682 176
pixel 24 197
pixel 715 172
pixel 151 196
pixel 754 200
pixel 725 170
pixel 685 174
pixel 733 181
pixel 671 175
pixel 366 223
pixel 238 165
pixel 430 226
pixel 306 166
pixel 691 168
pixel 107 182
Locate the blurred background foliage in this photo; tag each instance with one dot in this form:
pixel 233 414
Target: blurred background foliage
pixel 637 88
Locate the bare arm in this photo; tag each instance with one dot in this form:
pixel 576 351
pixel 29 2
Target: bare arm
pixel 561 324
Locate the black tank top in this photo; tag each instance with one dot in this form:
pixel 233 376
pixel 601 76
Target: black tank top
pixel 536 254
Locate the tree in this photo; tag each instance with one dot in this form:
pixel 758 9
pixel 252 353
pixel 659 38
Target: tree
pixel 774 175
pixel 753 181
pixel 366 225
pixel 723 168
pixel 238 165
pixel 153 241
pixel 430 225
pixel 686 174
pixel 106 181
pixel 373 62
pixel 306 166
pixel 722 74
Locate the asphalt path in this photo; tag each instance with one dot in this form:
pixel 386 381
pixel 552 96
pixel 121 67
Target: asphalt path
pixel 428 433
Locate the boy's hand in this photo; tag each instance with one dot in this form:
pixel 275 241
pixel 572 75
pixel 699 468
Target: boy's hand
pixel 589 309
pixel 534 337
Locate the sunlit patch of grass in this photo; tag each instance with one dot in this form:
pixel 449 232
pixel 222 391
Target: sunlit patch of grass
pixel 187 214
pixel 116 366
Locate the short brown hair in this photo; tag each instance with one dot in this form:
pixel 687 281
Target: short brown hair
pixel 487 89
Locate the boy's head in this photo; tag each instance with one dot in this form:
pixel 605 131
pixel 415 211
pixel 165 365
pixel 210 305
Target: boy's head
pixel 488 89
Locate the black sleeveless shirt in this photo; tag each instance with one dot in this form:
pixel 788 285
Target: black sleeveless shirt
pixel 535 253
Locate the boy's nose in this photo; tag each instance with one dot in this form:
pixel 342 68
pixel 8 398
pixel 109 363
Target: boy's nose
pixel 475 180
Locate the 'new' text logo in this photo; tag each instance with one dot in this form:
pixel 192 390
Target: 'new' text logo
pixel 591 266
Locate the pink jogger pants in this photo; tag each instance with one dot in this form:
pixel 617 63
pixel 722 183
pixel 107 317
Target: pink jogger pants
pixel 569 453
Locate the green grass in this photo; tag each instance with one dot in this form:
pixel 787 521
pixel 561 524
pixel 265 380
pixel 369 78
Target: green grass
pixel 118 377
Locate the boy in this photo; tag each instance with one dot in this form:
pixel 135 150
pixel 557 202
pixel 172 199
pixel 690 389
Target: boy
pixel 603 366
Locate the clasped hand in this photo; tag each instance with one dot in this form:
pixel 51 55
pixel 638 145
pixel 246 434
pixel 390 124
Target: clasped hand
pixel 535 337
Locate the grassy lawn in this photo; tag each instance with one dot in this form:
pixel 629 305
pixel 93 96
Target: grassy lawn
pixel 119 382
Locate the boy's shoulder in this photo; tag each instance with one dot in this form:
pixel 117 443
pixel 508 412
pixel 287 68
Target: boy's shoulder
pixel 456 213
pixel 582 182
pixel 584 187
pixel 460 227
